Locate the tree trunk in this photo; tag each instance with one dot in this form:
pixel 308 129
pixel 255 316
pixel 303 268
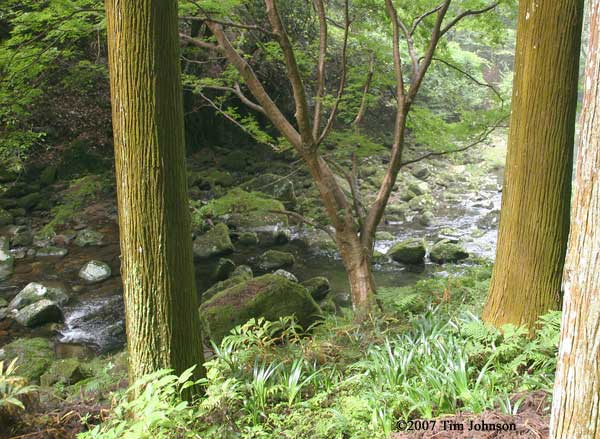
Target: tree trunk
pixel 534 223
pixel 576 400
pixel 162 322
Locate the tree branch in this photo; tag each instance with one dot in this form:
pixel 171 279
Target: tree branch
pixel 362 110
pixel 198 43
pixel 320 80
pixel 464 14
pixel 422 17
pixel 228 24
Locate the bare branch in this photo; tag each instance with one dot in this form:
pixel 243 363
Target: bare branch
pixel 411 48
pixel 422 17
pixel 320 80
pixel 362 110
pixel 352 182
pixel 198 43
pixel 391 10
pixel 464 14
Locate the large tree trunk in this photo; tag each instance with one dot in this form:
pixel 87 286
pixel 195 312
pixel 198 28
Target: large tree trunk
pixel 534 221
pixel 162 322
pixel 576 401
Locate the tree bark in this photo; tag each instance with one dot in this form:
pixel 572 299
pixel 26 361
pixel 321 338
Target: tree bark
pixel 534 224
pixel 576 399
pixel 162 322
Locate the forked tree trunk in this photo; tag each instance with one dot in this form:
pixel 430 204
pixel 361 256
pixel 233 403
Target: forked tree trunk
pixel 576 399
pixel 162 322
pixel 534 222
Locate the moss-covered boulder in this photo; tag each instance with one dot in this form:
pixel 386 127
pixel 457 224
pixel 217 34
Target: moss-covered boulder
pixel 275 259
pixel 29 201
pixel 67 372
pixel 21 236
pixel 421 203
pixel 35 291
pixel 215 242
pixel 39 313
pixel 222 269
pixel 410 251
pixel 245 210
pixel 418 188
pixel 318 287
pixel 88 237
pixel 210 179
pixel 7 261
pixel 275 186
pixel 34 356
pixel 248 238
pixel 383 235
pixel 289 276
pixel 223 285
pixel 445 251
pixel 5 217
pixel 268 296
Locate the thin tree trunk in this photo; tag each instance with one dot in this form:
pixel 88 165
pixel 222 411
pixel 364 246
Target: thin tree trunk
pixel 576 400
pixel 162 322
pixel 534 224
pixel 362 110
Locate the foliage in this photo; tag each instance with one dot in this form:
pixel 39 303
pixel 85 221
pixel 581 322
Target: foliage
pixel 12 387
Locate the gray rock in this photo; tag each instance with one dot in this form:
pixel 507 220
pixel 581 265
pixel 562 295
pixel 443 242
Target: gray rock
pixel 286 274
pixel 7 261
pixel 215 242
pixel 273 260
pixel 21 236
pixel 34 292
pixel 243 270
pixel 88 237
pixel 410 251
pixel 39 313
pixel 95 271
pixel 421 172
pixel 426 218
pixel 419 188
pixel 52 251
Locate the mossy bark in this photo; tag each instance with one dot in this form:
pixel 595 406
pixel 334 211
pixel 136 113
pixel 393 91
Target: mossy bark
pixel 576 399
pixel 534 222
pixel 163 327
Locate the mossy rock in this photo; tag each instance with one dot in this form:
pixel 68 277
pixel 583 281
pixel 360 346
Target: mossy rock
pixel 223 268
pixel 29 201
pixel 39 313
pixel 36 291
pixel 248 238
pixel 419 188
pixel 223 285
pixel 421 203
pixel 210 179
pixel 7 261
pixel 410 251
pixel 5 217
pixel 235 161
pixel 274 259
pixel 48 175
pixel 274 185
pixel 245 210
pixel 88 237
pixel 215 242
pixel 67 371
pixel 445 251
pixel 268 296
pixel 384 236
pixel 35 356
pixel 318 287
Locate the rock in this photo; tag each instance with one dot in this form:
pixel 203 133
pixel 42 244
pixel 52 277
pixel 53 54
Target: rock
pixel 268 296
pixel 21 236
pixel 421 202
pixel 419 188
pixel 410 251
pixel 34 292
pixel 39 313
pixel 43 238
pixel 490 220
pixel 426 218
pixel 88 237
pixel 243 270
pixel 276 186
pixel 65 237
pixel 48 175
pixel 210 179
pixel 398 209
pixel 29 201
pixel 66 372
pixel 34 356
pixel 7 261
pixel 223 269
pixel 18 212
pixel 318 287
pixel 44 204
pixel 248 238
pixel 384 236
pixel 445 251
pixel 421 172
pixel 274 259
pixel 5 217
pixel 407 195
pixel 281 236
pixel 449 234
pixel 215 242
pixel 95 271
pixel 289 276
pixel 52 251
pixel 319 241
pixel 223 285
pixel 3 302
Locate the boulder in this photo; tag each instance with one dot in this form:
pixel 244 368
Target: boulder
pixel 223 285
pixel 5 217
pixel 7 261
pixel 48 175
pixel 88 237
pixel 449 234
pixel 281 235
pixel 215 242
pixel 421 202
pixel 421 172
pixel 95 271
pixel 222 269
pixel 66 372
pixel 384 236
pixel 410 251
pixel 426 218
pixel 33 292
pixel 21 236
pixel 34 356
pixel 407 195
pixel 419 188
pixel 248 238
pixel 268 296
pixel 274 259
pixel 445 251
pixel 210 179
pixel 235 161
pixel 289 276
pixel 243 270
pixel 318 287
pixel 39 313
pixel 29 201
pixel 52 251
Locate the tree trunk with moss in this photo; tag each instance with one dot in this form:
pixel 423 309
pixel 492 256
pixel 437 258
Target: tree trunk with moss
pixel 162 322
pixel 534 222
pixel 576 399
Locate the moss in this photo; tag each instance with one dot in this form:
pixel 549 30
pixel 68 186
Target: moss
pixel 5 217
pixel 66 371
pixel 215 242
pixel 274 259
pixel 210 179
pixel 268 296
pixel 411 251
pixel 318 287
pixel 445 251
pixel 245 209
pixel 35 356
